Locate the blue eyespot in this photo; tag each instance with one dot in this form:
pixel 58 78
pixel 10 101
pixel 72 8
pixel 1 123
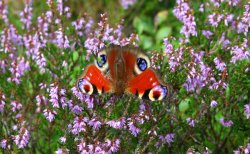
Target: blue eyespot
pixel 102 60
pixel 142 64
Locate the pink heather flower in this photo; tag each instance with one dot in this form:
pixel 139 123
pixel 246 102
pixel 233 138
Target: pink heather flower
pixel 247 110
pixel 216 2
pixel 53 93
pixel 60 6
pixel 89 101
pixel 207 33
pixel 3 143
pixel 49 114
pixel 2 65
pixel 201 8
pixel 26 16
pixel 2 102
pixel 221 66
pixel 174 56
pixel 246 15
pixel 115 146
pixel 67 12
pixel 239 53
pixel 135 131
pixel 63 139
pixel 15 106
pixel 198 76
pixel 62 151
pixel 126 3
pixel 61 39
pixel 228 19
pixel 95 123
pixel 82 146
pixel 184 13
pixel 213 103
pixel 4 12
pixel 190 122
pixel 18 68
pixel 76 109
pixel 225 123
pixel 79 25
pixel 79 125
pixel 118 124
pixel 22 139
pixel 169 138
pixel 214 19
pixel 224 41
pixel 41 100
pixel 233 2
pixel 33 45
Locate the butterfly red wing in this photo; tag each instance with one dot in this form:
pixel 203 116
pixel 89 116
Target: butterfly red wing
pixel 93 81
pixel 147 86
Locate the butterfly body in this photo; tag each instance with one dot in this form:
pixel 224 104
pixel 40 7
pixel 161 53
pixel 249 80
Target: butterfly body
pixel 122 70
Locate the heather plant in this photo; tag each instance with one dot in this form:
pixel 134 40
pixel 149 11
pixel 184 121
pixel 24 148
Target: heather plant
pixel 201 50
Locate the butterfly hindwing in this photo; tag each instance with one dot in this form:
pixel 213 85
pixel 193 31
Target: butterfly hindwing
pixel 93 81
pixel 147 86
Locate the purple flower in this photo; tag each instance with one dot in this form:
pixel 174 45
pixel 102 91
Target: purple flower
pixel 183 12
pixel 214 19
pixel 49 114
pixel 169 138
pixel 228 19
pixel 22 139
pixel 247 110
pixel 15 106
pixel 3 143
pixel 207 33
pixel 221 66
pixel 4 12
pixel 18 68
pixel 26 16
pixel 60 6
pixel 95 123
pixel 61 39
pixel 233 2
pixel 126 3
pixel 225 123
pixel 82 146
pixel 63 139
pixel 77 109
pixel 174 56
pixel 213 103
pixel 2 102
pixel 62 151
pixel 115 146
pixel 79 125
pixel 117 124
pixel 135 131
pixel 190 122
pixel 239 53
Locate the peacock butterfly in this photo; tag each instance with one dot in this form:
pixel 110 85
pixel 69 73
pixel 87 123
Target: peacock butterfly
pixel 122 70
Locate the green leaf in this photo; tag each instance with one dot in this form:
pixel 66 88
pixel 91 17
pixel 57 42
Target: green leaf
pixel 162 33
pixel 146 41
pixel 75 55
pixel 184 105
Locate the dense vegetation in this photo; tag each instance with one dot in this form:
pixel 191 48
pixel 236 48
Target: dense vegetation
pixel 201 50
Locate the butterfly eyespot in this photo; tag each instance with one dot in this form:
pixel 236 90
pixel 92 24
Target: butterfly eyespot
pixel 158 93
pixel 85 86
pixel 142 63
pixel 101 62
